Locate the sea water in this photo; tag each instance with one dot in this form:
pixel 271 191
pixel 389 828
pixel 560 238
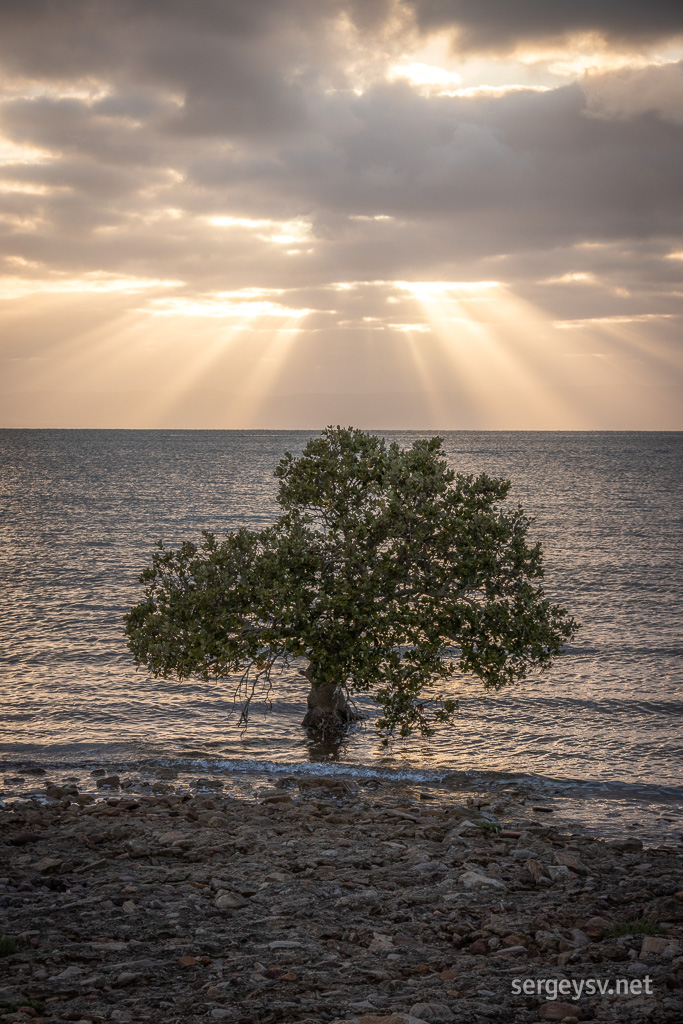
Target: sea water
pixel 598 734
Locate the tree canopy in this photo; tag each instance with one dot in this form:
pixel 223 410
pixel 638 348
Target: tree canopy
pixel 386 571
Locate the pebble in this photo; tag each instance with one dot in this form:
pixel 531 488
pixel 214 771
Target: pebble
pixel 340 899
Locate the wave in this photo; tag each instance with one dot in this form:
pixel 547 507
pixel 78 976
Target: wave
pixel 217 767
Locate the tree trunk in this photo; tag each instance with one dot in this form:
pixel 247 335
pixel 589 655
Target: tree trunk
pixel 329 712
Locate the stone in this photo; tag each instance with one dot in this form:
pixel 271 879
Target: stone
pixel 187 961
pixel 566 860
pixel 474 880
pixel 627 845
pixel 537 872
pixel 478 948
pixel 461 829
pixel 109 782
pixel 653 945
pixel 596 927
pixel 432 1012
pixel 9 996
pixel 373 1018
pixel 74 971
pixel 547 940
pixel 24 838
pixel 556 1011
pixel 230 901
pixel 293 943
pixel 126 978
pixel 48 866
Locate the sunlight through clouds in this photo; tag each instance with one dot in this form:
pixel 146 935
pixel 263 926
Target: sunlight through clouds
pixel 414 202
pixel 494 345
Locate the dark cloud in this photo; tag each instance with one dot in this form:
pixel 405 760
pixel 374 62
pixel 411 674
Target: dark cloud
pixel 500 24
pixel 141 123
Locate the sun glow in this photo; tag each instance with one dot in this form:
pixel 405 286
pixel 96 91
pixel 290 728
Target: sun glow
pixel 281 232
pixel 493 346
pixel 424 74
pixel 95 281
pixel 245 305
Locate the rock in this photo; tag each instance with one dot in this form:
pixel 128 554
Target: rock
pixel 55 793
pixel 431 867
pixel 218 821
pixel 373 1018
pixel 596 927
pixel 627 845
pixel 478 948
pixel 653 945
pixel 537 872
pixel 10 996
pixel 461 829
pixel 547 940
pixel 566 860
pixel 432 1012
pixel 109 782
pixel 474 880
pixel 230 901
pixel 579 937
pixel 558 872
pixel 221 1013
pixel 187 961
pixel 521 854
pixel 126 978
pixel 48 866
pixel 74 971
pixel 285 944
pixel 567 957
pixel 557 1011
pixel 24 838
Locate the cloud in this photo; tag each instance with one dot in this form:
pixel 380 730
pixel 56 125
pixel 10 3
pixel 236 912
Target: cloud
pixel 499 24
pixel 632 92
pixel 187 154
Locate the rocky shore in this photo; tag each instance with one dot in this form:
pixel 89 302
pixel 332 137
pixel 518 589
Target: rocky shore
pixel 325 901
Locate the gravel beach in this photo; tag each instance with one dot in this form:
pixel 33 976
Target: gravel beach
pixel 322 900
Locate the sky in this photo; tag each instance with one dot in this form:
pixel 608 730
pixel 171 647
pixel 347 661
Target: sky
pixel 426 214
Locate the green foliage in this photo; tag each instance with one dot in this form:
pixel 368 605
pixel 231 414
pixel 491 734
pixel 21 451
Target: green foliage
pixel 7 945
pixel 643 926
pixel 33 1003
pixel 488 826
pixel 388 572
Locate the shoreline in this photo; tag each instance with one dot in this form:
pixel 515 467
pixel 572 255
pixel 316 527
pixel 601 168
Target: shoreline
pixel 324 899
pixel 603 808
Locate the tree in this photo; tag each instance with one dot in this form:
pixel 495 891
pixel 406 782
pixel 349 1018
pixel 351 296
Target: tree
pixel 387 572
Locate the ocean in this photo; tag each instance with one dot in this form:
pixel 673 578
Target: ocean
pixel 597 736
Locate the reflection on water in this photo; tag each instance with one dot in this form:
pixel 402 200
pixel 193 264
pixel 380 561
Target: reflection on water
pixel 80 511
